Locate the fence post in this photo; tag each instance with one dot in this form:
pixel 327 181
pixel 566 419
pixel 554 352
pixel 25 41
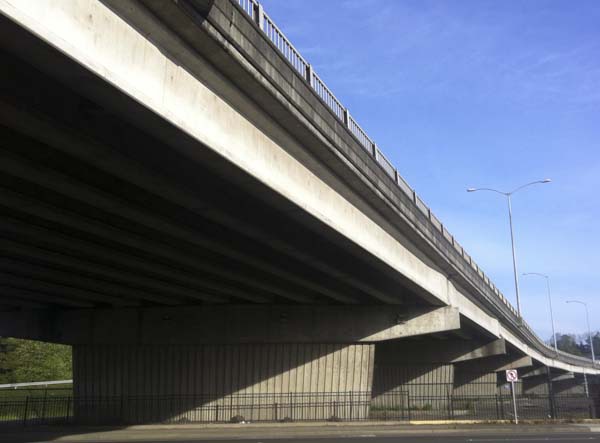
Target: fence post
pixel 26 410
pixel 551 394
pixel 44 404
pixel 68 415
pixel 497 409
pixel 275 411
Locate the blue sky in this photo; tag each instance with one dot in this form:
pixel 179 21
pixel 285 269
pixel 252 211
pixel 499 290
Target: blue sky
pixel 485 94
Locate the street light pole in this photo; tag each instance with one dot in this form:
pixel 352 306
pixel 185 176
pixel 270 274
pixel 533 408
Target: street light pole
pixel 514 255
pixel 550 304
pixel 512 235
pixel 587 319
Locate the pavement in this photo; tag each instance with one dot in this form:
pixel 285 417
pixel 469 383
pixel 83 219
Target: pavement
pixel 312 433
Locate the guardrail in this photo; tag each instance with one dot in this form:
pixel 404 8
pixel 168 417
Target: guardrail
pixel 35 383
pixel 256 12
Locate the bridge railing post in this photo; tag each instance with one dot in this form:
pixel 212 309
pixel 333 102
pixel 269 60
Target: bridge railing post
pixel 346 117
pixel 260 15
pixel 309 74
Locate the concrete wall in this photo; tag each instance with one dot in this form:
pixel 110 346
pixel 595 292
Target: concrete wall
pixel 168 382
pixel 469 381
pixel 418 385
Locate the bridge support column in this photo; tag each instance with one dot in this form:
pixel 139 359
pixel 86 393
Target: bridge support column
pixel 179 383
pixel 424 370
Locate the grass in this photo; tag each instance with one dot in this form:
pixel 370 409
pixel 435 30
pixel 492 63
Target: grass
pixel 12 402
pixel 65 390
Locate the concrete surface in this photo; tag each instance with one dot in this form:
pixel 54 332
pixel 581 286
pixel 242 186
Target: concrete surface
pixel 187 91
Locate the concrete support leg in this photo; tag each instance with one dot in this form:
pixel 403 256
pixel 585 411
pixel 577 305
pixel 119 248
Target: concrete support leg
pixel 423 370
pixel 177 383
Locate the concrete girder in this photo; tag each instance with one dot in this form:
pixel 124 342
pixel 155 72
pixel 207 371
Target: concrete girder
pixel 548 373
pixel 535 372
pixel 501 363
pixel 563 377
pixel 166 293
pixel 222 324
pixel 439 351
pixel 124 169
pixel 164 252
pixel 82 192
pixel 34 294
pixel 160 273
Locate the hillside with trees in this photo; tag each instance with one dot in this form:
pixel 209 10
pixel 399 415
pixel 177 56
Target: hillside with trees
pixel 578 344
pixel 23 361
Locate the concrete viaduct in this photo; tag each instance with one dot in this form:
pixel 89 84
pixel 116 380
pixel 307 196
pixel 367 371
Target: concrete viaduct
pixel 184 201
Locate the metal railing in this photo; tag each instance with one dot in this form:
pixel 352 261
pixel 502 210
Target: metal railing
pixel 286 407
pixel 35 384
pixel 255 11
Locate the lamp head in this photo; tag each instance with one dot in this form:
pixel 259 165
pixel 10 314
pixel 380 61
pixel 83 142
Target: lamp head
pixel 471 190
pixel 546 180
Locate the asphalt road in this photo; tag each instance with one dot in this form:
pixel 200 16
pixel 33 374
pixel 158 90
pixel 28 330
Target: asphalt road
pixel 528 438
pixel 565 438
pixel 374 434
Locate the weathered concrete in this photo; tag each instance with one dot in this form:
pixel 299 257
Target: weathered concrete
pixel 225 129
pixel 229 324
pixel 217 382
pixel 502 363
pixel 159 84
pixel 431 350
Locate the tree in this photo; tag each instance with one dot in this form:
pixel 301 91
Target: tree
pixel 568 343
pixel 585 344
pixel 579 344
pixel 23 361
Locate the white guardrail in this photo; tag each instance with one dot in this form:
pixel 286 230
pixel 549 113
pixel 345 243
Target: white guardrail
pixel 256 12
pixel 35 383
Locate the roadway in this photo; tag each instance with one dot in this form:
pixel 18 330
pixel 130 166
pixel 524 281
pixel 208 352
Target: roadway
pixel 543 437
pixel 330 433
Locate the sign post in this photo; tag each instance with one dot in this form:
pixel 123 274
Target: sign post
pixel 512 376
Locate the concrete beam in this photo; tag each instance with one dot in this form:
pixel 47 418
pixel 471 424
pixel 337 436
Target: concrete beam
pixel 499 363
pixel 228 324
pixel 552 373
pixel 536 372
pixel 563 377
pixel 428 350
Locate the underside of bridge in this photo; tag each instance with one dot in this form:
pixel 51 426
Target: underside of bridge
pixel 173 272
pixel 97 212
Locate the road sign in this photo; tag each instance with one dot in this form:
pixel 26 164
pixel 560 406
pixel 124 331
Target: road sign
pixel 512 375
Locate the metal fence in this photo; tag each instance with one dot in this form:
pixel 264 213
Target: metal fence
pixel 287 407
pixel 455 253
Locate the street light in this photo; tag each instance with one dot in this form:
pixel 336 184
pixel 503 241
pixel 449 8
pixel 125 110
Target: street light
pixel 550 303
pixel 512 236
pixel 587 319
